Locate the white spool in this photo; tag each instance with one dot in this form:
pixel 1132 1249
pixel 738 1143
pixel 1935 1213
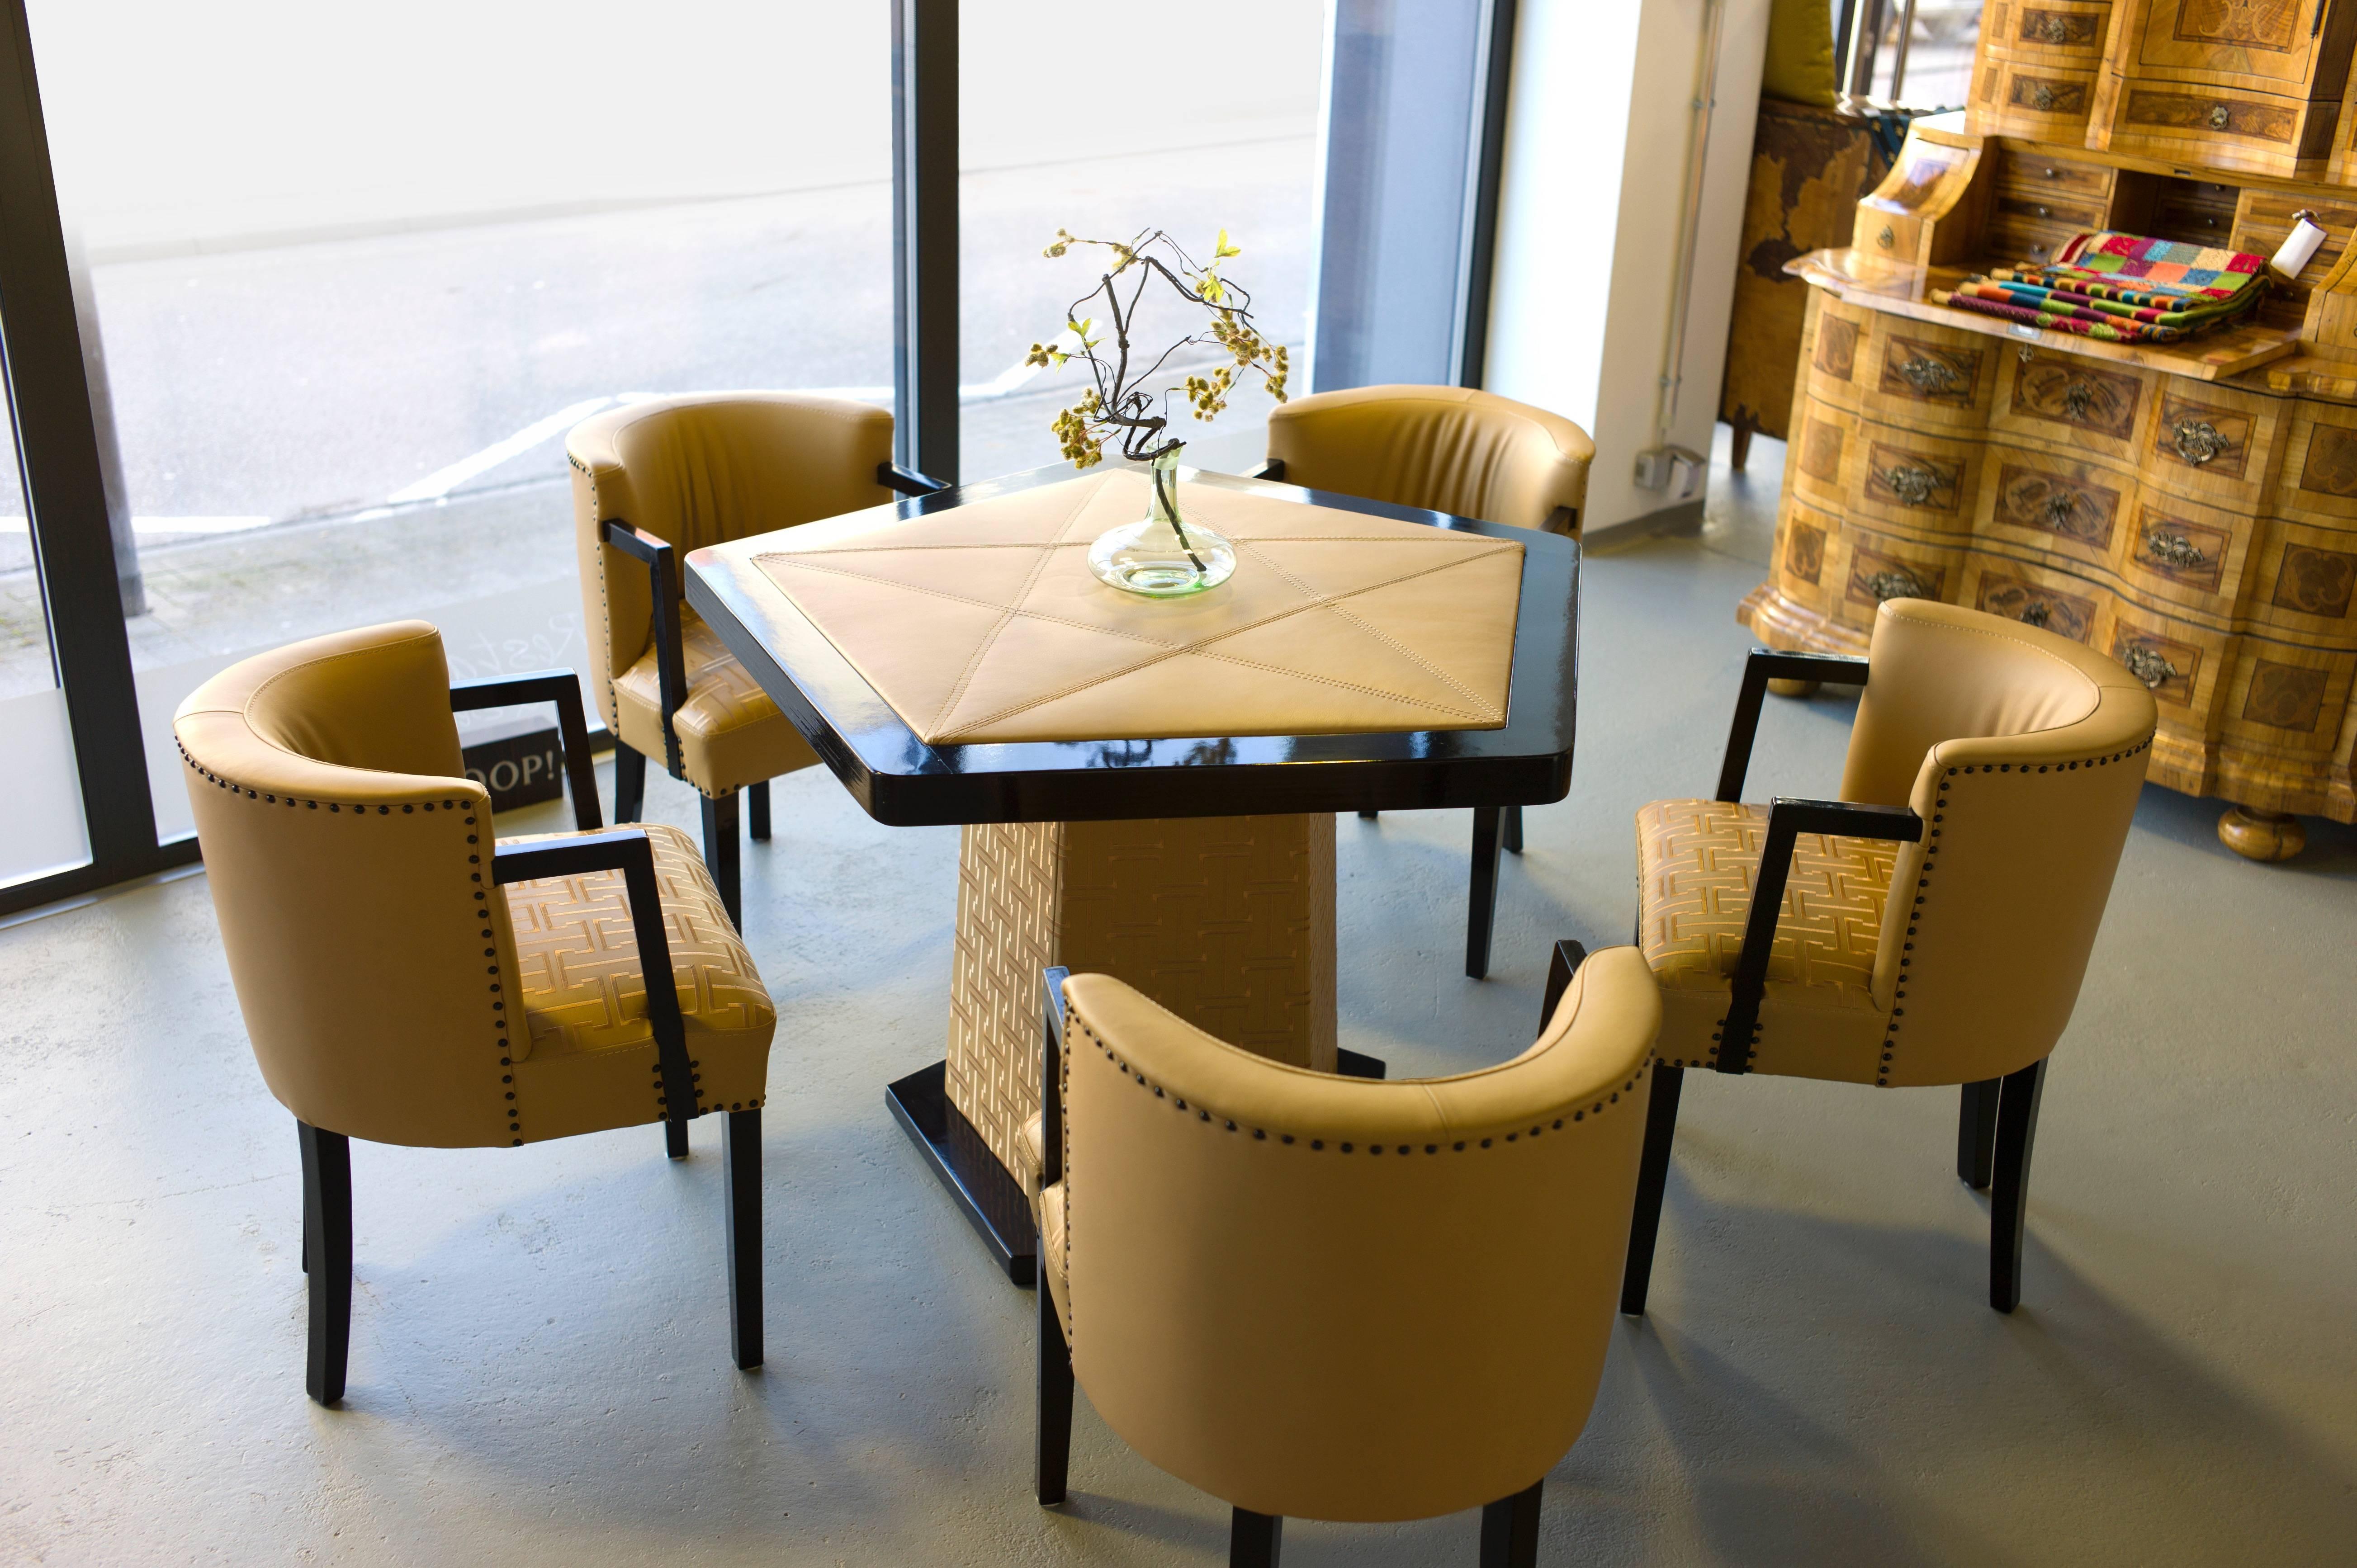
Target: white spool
pixel 2300 246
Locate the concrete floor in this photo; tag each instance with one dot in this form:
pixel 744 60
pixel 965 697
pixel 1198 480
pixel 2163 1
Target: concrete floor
pixel 539 1370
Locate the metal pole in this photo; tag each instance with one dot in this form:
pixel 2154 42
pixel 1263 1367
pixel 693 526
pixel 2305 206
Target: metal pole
pixel 925 235
pixel 1697 158
pixel 1494 60
pixel 1906 36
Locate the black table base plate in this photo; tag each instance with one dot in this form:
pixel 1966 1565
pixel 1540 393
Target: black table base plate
pixel 991 1201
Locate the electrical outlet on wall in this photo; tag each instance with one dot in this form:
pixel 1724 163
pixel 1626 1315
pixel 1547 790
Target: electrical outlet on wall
pixel 1675 469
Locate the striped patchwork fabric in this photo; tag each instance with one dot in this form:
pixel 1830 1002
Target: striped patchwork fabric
pixel 2122 288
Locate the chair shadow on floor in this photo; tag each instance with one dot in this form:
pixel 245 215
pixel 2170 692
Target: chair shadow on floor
pixel 1941 1415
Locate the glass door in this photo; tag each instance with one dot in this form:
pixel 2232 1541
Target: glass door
pixel 46 834
pixel 353 274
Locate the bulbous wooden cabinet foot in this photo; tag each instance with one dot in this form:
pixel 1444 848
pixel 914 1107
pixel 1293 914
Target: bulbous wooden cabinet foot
pixel 2262 835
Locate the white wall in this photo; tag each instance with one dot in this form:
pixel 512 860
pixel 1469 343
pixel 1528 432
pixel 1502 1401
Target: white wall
pixel 1596 133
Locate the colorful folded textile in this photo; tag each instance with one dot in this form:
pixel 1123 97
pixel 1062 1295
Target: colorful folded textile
pixel 2122 288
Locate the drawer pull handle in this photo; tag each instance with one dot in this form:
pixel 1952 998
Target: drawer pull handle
pixel 1886 238
pixel 2174 549
pixel 2078 400
pixel 1897 585
pixel 2054 173
pixel 2218 117
pixel 2051 28
pixel 1929 376
pixel 2153 669
pixel 1914 486
pixel 2198 441
pixel 2039 613
pixel 2060 505
pixel 2042 97
pixel 2046 212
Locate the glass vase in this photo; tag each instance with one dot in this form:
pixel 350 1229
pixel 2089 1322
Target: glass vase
pixel 1165 554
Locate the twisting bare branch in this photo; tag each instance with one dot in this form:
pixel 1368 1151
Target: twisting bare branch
pixel 1118 403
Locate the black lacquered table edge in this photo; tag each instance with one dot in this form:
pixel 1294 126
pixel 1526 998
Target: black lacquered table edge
pixel 900 780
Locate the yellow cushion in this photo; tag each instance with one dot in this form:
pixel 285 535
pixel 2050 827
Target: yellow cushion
pixel 1820 1017
pixel 588 1060
pixel 1799 64
pixel 730 733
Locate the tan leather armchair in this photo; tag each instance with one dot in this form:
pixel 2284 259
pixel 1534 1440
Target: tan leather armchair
pixel 1932 927
pixel 1336 1298
pixel 654 480
pixel 1453 449
pixel 406 979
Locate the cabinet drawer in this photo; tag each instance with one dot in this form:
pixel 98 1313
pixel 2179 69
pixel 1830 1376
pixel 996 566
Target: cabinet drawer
pixel 1913 479
pixel 2038 101
pixel 1836 347
pixel 2020 169
pixel 1921 374
pixel 2318 478
pixel 2021 240
pixel 2186 554
pixel 1877 566
pixel 2072 509
pixel 2183 663
pixel 2054 30
pixel 2035 596
pixel 1803 545
pixel 2081 405
pixel 2287 699
pixel 1822 439
pixel 2048 207
pixel 2305 581
pixel 2213 444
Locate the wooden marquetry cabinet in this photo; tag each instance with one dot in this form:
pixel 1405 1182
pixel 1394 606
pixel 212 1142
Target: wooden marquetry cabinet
pixel 2189 509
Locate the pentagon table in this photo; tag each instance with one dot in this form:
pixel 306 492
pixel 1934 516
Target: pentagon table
pixel 1148 787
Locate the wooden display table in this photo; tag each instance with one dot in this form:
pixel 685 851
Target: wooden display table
pixel 2189 509
pixel 1148 787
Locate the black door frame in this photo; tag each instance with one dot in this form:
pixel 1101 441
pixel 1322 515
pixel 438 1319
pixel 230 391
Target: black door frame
pixel 47 389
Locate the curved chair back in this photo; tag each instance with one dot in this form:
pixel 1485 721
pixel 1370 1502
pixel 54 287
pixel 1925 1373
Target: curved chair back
pixel 2024 753
pixel 1341 1298
pixel 351 866
pixel 702 470
pixel 1452 449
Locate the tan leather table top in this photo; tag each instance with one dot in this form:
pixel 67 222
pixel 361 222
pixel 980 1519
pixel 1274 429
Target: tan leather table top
pixel 983 623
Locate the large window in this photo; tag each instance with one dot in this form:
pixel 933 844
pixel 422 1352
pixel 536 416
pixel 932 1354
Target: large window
pixel 1918 53
pixel 357 271
pixel 46 834
pixel 1106 120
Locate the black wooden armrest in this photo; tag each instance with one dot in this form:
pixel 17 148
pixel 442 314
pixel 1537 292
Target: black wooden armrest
pixel 1763 666
pixel 1568 956
pixel 1786 819
pixel 558 686
pixel 1272 469
pixel 624 850
pixel 908 481
pixel 670 664
pixel 1052 1078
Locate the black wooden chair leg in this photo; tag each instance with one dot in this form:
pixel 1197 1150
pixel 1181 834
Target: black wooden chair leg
pixel 1481 903
pixel 1976 1133
pixel 720 853
pixel 1653 1176
pixel 2017 1130
pixel 328 1257
pixel 676 1139
pixel 1512 836
pixel 629 783
pixel 1510 1531
pixel 757 801
pixel 1055 1400
pixel 741 1142
pixel 1254 1539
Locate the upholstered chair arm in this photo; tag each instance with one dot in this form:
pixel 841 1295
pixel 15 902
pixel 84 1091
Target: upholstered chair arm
pixel 1786 818
pixel 624 850
pixel 908 481
pixel 1763 666
pixel 670 665
pixel 1052 1075
pixel 563 688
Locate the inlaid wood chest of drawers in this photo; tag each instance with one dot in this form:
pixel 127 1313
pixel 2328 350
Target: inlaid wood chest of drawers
pixel 2202 532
